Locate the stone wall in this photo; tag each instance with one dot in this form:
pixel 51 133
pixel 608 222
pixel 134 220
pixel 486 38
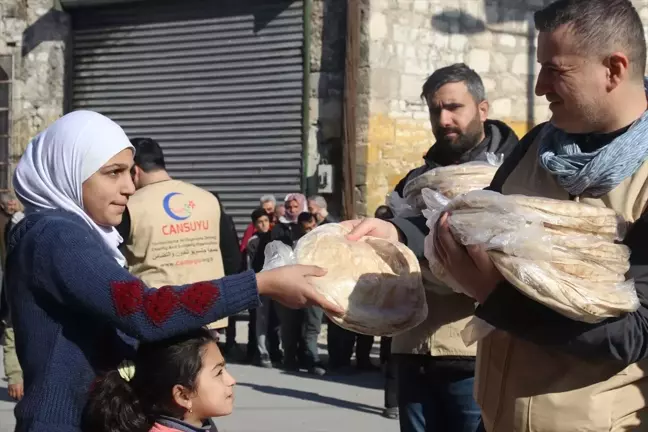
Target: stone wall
pixel 327 48
pixel 406 40
pixel 35 33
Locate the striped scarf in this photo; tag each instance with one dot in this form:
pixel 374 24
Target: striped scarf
pixel 595 173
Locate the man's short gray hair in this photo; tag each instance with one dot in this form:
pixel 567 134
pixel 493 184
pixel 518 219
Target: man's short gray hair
pixel 268 198
pixel 319 200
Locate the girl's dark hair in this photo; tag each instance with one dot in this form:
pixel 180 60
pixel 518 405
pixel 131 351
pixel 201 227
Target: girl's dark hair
pixel 115 405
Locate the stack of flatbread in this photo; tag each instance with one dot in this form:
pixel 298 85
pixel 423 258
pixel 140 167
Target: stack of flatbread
pixel 377 282
pixel 559 253
pixel 451 181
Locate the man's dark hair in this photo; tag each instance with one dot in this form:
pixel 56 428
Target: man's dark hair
pixel 458 72
pixel 306 217
pixel 599 27
pixel 148 154
pixel 258 214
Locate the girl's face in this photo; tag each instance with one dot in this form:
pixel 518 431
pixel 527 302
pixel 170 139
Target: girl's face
pixel 214 395
pixel 106 192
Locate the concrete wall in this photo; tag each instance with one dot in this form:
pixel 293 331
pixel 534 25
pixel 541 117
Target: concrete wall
pixel 35 34
pixel 406 40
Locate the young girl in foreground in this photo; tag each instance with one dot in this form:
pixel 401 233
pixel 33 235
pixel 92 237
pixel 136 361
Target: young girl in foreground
pixel 172 386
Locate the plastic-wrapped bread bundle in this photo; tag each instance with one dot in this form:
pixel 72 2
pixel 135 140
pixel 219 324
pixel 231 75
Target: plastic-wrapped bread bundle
pixel 377 282
pixel 451 181
pixel 559 253
pixel 400 207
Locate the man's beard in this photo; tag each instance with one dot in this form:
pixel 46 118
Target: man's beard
pixel 450 150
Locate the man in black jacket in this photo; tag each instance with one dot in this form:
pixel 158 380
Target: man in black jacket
pixel 435 368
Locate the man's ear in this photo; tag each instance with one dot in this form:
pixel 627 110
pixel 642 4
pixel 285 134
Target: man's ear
pixel 483 108
pixel 617 69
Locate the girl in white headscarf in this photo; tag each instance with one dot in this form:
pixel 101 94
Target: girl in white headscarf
pixel 68 290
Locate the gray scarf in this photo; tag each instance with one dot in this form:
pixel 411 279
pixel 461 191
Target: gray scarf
pixel 595 173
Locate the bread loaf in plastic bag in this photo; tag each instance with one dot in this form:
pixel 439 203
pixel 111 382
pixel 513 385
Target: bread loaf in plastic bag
pixel 451 181
pixel 559 253
pixel 377 282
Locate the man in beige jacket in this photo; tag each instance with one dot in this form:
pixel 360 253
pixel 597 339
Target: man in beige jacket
pixel 540 371
pixel 174 232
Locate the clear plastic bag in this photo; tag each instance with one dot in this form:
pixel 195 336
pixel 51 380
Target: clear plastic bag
pixel 568 217
pixel 475 330
pixel 400 206
pixel 555 258
pixel 454 180
pixel 577 298
pixel 495 159
pixel 500 228
pixel 278 254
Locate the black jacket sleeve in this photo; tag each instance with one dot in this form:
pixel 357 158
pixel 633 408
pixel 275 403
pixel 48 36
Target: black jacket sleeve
pixel 413 231
pixel 624 339
pixel 124 227
pixel 229 244
pixel 251 252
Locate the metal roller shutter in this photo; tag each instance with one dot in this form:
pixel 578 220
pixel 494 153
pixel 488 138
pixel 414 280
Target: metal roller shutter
pixel 218 83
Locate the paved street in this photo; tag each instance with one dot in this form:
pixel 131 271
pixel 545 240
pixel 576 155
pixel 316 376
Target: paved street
pixel 271 400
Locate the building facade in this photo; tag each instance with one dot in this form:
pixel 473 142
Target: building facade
pixel 404 41
pixel 246 97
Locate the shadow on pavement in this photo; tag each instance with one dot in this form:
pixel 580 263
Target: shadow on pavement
pixel 314 397
pixel 369 380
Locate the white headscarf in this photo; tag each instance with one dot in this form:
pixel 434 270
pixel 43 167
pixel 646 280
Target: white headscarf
pixel 57 161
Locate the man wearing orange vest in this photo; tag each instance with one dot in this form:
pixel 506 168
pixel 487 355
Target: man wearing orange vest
pixel 174 232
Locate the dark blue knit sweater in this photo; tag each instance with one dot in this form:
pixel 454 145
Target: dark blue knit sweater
pixel 68 299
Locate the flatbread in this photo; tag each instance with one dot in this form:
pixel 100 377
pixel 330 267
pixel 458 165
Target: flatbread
pixel 378 283
pixel 579 299
pixel 561 254
pixel 570 217
pixel 452 180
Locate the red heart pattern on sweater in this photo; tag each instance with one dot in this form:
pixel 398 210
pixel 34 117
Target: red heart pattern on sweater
pixel 127 296
pixel 159 304
pixel 199 297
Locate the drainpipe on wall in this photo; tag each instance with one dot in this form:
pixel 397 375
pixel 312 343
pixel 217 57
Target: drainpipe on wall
pixel 306 182
pixel 349 108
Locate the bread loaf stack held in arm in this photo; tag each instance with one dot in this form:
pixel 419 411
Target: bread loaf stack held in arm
pixel 563 254
pixel 451 181
pixel 377 282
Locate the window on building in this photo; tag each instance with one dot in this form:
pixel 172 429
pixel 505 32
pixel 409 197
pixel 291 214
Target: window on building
pixel 6 78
